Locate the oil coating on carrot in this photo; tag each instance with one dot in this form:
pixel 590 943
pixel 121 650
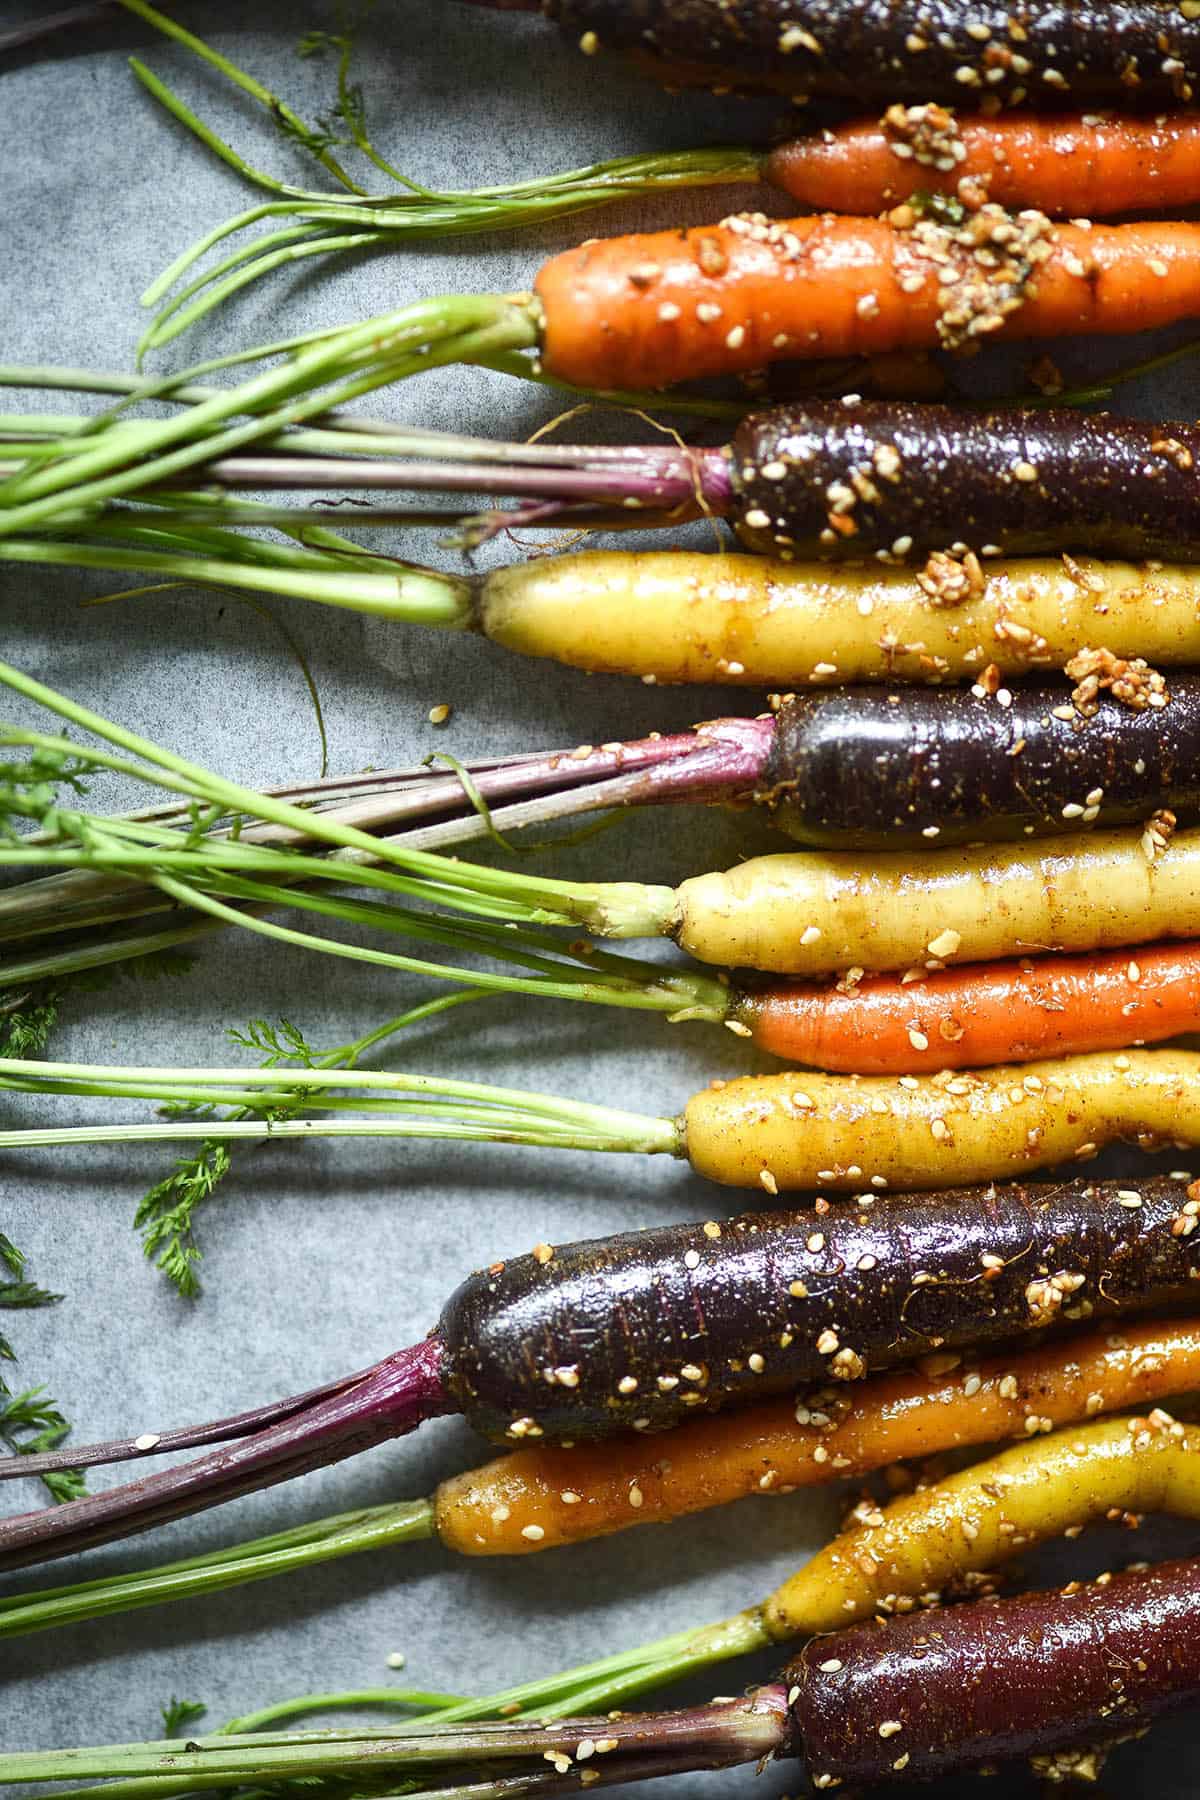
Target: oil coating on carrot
pixel 842 1132
pixel 990 1512
pixel 539 1498
pixel 816 913
pixel 981 1013
pixel 1067 166
pixel 651 310
pixel 752 621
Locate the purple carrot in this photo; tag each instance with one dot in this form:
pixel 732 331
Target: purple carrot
pixel 1054 1677
pixel 643 1330
pixel 898 480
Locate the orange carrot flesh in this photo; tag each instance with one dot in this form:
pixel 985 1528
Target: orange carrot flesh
pixel 982 1013
pixel 537 1499
pixel 651 310
pixel 1068 167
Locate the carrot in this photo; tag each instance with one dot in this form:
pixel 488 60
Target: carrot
pixel 1033 1676
pixel 843 1132
pixel 924 1542
pixel 651 310
pixel 981 1013
pixel 751 621
pixel 544 1497
pixel 817 913
pixel 1064 164
pixel 586 1340
pixel 519 1503
pixel 788 1132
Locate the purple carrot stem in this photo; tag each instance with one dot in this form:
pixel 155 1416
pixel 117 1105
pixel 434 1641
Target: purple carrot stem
pixel 60 21
pixel 653 476
pixel 185 1437
pixel 387 1401
pixel 721 761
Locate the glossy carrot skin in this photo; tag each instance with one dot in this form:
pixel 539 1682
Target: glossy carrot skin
pixel 567 1496
pixel 970 1017
pixel 1013 52
pixel 998 1679
pixel 651 310
pixel 1066 167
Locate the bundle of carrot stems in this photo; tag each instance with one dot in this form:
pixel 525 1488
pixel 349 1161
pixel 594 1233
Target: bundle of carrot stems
pixel 980 629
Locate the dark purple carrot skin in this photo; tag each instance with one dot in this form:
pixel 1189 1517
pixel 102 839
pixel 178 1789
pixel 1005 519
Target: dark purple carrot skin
pixel 389 1401
pixel 1047 53
pixel 924 478
pixel 942 1693
pixel 865 767
pixel 638 1331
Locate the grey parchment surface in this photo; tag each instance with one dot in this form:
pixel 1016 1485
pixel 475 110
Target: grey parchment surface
pixel 321 1257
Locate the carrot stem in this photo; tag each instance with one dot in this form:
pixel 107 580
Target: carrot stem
pixel 370 1528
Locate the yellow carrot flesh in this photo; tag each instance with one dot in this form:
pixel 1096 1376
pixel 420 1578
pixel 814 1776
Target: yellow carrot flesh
pixel 848 1133
pixel 988 1513
pixel 672 616
pixel 817 913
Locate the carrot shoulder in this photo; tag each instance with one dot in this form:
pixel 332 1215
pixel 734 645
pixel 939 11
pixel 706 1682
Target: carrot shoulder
pixel 652 310
pixel 1070 167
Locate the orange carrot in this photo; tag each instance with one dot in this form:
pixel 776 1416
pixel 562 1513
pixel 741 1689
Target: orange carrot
pixel 650 310
pixel 1068 166
pixel 982 1013
pixel 536 1498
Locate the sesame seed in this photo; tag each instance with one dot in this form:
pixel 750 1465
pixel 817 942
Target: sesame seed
pixel 668 312
pixel 147 1441
pixel 757 519
pixel 589 43
pixel 756 1363
pixel 627 1384
pixel 890 1727
pixel 438 715
pixel 570 1498
pixel 692 1259
pixel 636 1497
pixel 831 1667
pixel 810 935
pixel 534 1533
pixel 735 338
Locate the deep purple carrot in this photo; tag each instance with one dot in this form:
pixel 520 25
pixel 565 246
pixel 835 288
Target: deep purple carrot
pixel 809 479
pixel 1053 1677
pixel 640 1331
pixel 1036 54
